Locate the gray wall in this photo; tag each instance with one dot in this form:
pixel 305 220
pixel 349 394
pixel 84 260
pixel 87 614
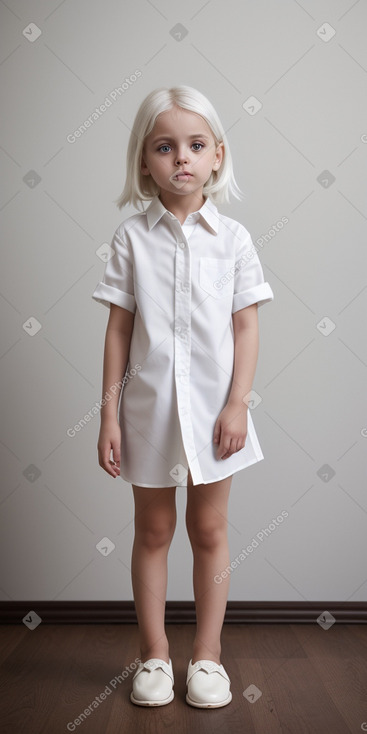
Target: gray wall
pixel 301 157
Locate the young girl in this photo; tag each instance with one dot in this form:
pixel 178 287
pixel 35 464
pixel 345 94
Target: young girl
pixel 183 284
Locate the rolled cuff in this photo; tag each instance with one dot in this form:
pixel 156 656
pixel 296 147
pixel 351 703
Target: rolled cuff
pixel 261 293
pixel 107 294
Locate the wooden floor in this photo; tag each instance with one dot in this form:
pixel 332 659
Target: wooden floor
pixel 311 680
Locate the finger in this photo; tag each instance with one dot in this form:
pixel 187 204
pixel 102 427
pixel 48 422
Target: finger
pixel 116 451
pixel 115 467
pixel 216 437
pixel 225 449
pixel 240 444
pixel 106 462
pixel 104 458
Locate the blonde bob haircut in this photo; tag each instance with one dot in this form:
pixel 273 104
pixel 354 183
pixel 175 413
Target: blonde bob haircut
pixel 139 188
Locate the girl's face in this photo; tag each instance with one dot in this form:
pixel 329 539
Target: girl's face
pixel 180 141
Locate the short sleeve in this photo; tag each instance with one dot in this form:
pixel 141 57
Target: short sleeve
pixel 249 284
pixel 117 284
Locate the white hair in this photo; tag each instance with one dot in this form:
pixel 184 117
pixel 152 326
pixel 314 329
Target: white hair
pixel 138 187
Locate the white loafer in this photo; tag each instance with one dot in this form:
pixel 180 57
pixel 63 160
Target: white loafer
pixel 152 683
pixel 207 685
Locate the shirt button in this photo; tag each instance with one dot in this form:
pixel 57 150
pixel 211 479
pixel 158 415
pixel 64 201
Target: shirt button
pixel 182 245
pixel 181 332
pixel 182 287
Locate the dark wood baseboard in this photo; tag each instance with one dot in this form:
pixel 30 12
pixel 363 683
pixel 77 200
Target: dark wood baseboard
pixel 183 612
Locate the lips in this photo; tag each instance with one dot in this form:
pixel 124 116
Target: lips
pixel 179 178
pixel 182 174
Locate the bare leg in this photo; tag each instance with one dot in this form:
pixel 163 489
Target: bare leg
pixel 155 522
pixel 206 521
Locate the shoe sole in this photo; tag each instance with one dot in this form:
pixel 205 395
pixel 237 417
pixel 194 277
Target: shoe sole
pixel 152 703
pixel 208 705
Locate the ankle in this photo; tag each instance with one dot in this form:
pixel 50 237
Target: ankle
pixel 161 652
pixel 159 655
pixel 204 653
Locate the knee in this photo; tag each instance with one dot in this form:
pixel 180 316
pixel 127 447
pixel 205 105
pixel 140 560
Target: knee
pixel 156 535
pixel 207 534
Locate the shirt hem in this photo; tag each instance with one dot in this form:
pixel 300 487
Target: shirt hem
pixel 234 471
pixel 210 481
pixel 152 486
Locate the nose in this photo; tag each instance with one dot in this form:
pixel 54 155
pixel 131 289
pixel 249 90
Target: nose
pixel 181 158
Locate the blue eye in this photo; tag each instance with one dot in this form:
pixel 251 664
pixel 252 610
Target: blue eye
pixel 168 146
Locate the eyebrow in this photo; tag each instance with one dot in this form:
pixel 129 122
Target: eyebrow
pixel 168 137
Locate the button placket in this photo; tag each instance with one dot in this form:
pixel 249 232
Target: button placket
pixel 182 340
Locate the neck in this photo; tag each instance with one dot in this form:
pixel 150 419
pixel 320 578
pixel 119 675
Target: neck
pixel 182 206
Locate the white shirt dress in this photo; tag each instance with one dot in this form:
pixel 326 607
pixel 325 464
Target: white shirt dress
pixel 183 283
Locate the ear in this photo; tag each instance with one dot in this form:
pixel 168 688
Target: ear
pixel 219 155
pixel 143 166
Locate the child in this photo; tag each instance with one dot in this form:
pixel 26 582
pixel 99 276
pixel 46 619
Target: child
pixel 183 286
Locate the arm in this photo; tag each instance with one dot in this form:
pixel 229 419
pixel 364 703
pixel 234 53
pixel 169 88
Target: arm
pixel 246 345
pixel 116 356
pixel 231 426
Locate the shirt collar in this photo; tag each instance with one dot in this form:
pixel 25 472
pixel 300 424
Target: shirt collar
pixel 209 212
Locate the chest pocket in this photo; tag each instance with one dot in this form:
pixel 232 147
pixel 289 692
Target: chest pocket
pixel 215 276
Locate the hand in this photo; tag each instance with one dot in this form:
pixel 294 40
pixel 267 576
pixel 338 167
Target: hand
pixel 230 430
pixel 109 437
